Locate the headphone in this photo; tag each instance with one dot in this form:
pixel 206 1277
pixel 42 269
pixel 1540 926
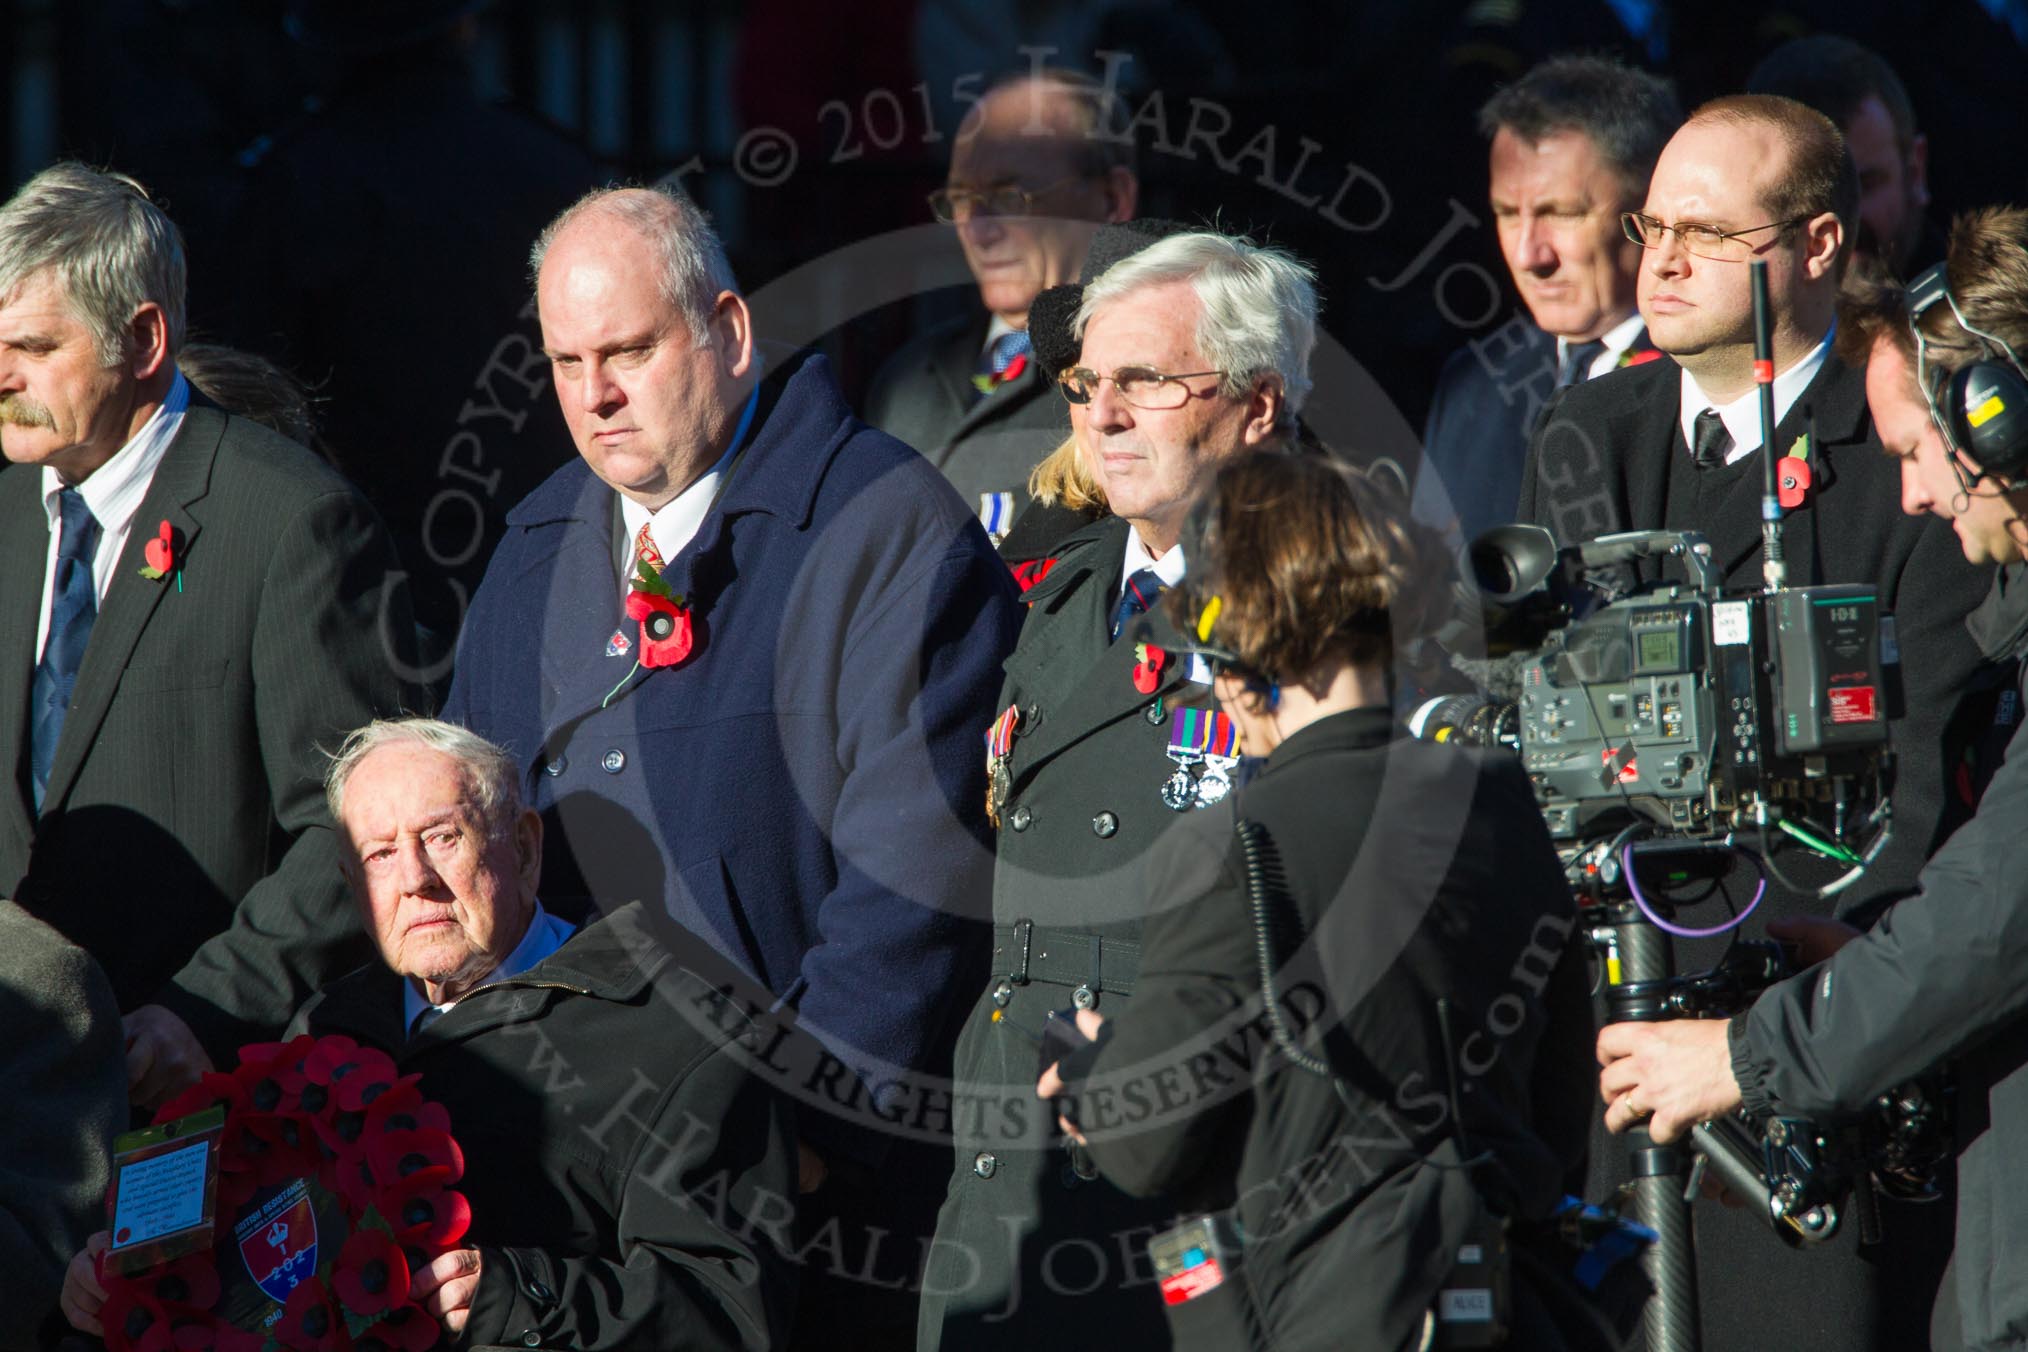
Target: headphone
pixel 1982 408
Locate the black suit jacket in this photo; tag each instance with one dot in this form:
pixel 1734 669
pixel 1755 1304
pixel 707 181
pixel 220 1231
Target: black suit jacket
pixel 184 840
pixel 924 396
pixel 1600 463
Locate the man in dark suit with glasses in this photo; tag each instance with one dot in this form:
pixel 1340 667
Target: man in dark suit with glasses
pixel 1040 162
pixel 1676 444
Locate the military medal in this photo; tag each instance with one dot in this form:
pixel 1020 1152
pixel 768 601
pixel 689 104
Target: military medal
pixel 1195 737
pixel 1220 756
pixel 999 779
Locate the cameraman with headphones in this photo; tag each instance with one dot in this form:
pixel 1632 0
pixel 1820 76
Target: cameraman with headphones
pixel 1941 974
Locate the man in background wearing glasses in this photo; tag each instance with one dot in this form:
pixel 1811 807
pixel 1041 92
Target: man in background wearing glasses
pixel 1037 165
pixel 1193 349
pixel 1676 444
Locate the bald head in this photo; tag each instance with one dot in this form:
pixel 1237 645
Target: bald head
pixel 690 268
pixel 649 343
pixel 1036 166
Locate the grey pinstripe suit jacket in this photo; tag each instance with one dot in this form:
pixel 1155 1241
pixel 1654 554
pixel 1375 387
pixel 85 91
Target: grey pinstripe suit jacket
pixel 184 841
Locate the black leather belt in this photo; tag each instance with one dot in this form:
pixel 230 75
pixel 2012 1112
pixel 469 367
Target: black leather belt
pixel 1025 952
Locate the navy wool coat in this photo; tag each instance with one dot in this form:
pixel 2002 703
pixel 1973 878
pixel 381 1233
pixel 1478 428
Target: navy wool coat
pixel 807 789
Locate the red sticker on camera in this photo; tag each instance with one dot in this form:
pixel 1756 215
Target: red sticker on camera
pixel 1853 704
pixel 1192 1282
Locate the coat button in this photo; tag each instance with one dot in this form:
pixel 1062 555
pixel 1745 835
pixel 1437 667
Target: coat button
pixel 556 767
pixel 983 1164
pixel 1104 825
pixel 1083 997
pixel 1003 991
pixel 531 1339
pixel 1031 718
pixel 613 761
pixel 1153 713
pixel 1022 816
pixel 537 1291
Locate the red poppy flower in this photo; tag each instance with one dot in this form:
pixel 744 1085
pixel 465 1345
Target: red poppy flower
pixel 310 1323
pixel 1013 371
pixel 372 1273
pixel 407 1329
pixel 129 1315
pixel 272 1073
pixel 411 1154
pixel 272 1147
pixel 211 1090
pixel 368 1080
pixel 335 1059
pixel 425 1213
pixel 665 628
pixel 188 1283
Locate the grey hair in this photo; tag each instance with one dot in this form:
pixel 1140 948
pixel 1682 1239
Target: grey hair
pixel 113 251
pixel 495 780
pixel 1628 114
pixel 1257 306
pixel 694 266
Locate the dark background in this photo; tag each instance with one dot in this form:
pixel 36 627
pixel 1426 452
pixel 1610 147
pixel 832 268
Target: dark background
pixel 360 209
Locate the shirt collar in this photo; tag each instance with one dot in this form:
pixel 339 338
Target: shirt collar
pixel 114 490
pixel 1169 567
pixel 1617 340
pixel 995 331
pixel 1742 416
pixel 546 933
pixel 679 519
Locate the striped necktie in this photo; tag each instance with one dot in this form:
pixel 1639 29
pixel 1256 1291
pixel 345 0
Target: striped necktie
pixel 1144 588
pixel 73 608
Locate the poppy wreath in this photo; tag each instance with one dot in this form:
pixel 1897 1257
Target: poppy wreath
pixel 315 1129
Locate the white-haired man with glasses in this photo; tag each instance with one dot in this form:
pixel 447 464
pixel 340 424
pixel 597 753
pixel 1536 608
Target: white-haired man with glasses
pixel 1040 162
pixel 1194 349
pixel 1676 444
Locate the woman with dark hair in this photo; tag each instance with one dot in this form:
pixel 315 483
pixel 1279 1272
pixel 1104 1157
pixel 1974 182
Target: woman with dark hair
pixel 1360 1040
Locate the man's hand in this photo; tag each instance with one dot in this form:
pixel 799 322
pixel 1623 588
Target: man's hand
pixel 446 1287
pixel 1674 1074
pixel 164 1057
pixel 1050 1086
pixel 1816 937
pixel 811 1171
pixel 82 1296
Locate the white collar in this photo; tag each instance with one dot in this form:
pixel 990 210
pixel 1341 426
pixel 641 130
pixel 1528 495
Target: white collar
pixel 995 331
pixel 679 519
pixel 114 490
pixel 545 934
pixel 1169 567
pixel 1617 340
pixel 1742 416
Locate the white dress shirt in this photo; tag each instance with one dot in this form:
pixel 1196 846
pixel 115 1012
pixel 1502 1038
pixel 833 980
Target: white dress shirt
pixel 113 492
pixel 1742 416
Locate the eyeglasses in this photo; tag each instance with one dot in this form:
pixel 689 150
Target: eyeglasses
pixel 953 205
pixel 1141 386
pixel 1702 241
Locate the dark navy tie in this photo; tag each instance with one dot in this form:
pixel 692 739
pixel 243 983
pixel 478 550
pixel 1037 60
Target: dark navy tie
pixel 1576 367
pixel 1144 588
pixel 73 606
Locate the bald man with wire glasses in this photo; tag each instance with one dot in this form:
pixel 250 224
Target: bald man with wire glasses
pixel 1676 444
